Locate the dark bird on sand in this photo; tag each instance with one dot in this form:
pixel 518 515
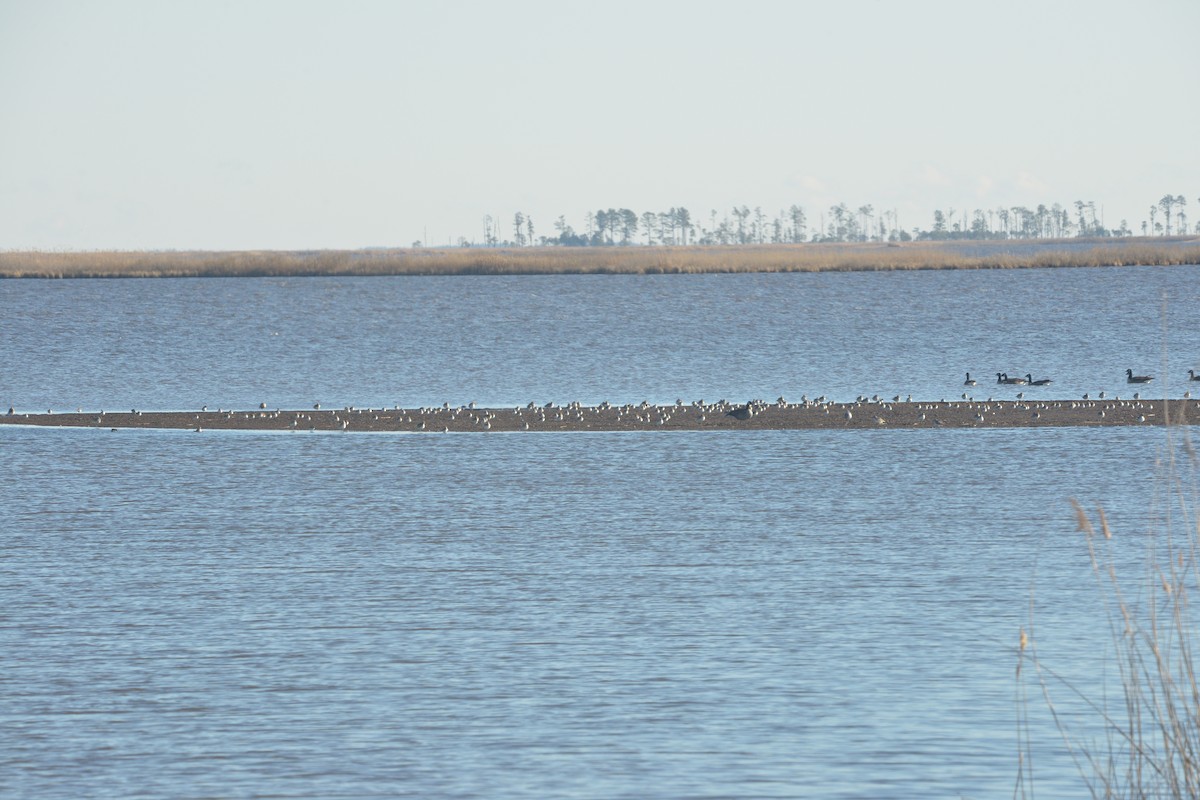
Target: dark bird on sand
pixel 741 412
pixel 1131 378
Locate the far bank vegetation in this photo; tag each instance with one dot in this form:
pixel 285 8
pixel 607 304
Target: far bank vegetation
pixel 602 260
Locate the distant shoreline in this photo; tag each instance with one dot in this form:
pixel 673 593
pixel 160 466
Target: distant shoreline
pixel 810 257
pixel 811 415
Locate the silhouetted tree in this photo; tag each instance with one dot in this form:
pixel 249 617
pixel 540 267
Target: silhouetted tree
pixel 518 229
pixel 865 213
pixel 799 222
pixel 628 224
pixel 649 223
pixel 683 219
pixel 939 224
pixel 1166 204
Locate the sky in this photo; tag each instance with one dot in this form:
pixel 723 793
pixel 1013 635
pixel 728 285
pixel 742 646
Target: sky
pixel 140 124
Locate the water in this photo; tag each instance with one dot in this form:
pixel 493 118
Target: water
pixel 167 344
pixel 771 614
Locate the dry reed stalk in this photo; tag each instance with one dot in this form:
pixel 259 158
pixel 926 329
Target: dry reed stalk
pixel 1153 740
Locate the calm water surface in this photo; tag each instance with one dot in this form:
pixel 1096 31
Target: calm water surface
pixel 167 344
pixel 773 614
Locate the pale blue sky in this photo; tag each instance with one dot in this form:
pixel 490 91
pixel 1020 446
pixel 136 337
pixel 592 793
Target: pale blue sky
pixel 219 125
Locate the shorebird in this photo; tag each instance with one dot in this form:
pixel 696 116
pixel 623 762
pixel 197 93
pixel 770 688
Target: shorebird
pixel 1131 378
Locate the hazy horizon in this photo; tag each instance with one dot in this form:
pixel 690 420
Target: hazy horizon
pixel 281 125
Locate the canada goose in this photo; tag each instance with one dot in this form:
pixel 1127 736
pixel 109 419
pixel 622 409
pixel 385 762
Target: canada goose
pixel 1039 382
pixel 1011 381
pixel 1131 378
pixel 1192 376
pixel 741 412
pixel 969 381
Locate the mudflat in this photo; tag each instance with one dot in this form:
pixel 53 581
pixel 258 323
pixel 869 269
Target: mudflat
pixel 722 416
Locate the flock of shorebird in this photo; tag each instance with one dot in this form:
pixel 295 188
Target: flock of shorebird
pixel 648 414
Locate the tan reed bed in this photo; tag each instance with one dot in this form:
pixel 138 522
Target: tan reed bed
pixel 592 260
pixel 1151 723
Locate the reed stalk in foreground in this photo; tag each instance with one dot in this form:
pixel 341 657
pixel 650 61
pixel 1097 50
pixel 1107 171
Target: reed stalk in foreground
pixel 1151 744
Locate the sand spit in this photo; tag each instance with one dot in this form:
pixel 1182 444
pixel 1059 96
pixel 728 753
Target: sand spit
pixel 643 417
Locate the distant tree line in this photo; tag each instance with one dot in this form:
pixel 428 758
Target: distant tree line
pixel 741 225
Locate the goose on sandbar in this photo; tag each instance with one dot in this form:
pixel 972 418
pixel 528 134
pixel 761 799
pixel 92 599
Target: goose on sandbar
pixel 741 412
pixel 1131 378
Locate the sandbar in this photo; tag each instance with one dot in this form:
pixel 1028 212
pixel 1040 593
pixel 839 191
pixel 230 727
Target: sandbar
pixel 756 415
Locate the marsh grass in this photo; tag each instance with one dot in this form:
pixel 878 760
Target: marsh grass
pixel 595 260
pixel 1151 732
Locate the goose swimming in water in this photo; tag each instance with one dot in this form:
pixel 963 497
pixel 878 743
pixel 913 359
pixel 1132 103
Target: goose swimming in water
pixel 969 381
pixel 1131 378
pixel 1192 376
pixel 1039 382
